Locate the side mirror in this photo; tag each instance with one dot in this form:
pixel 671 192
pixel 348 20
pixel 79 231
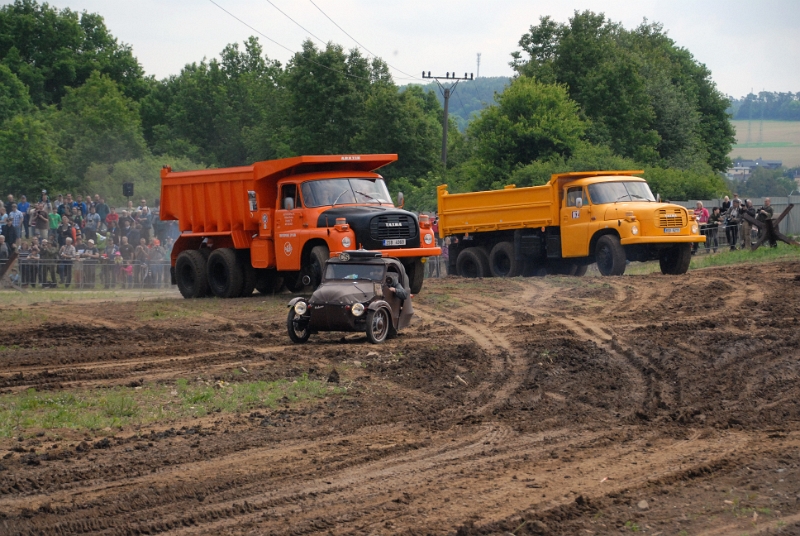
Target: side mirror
pixel 658 198
pixel 579 202
pixel 288 204
pixel 401 200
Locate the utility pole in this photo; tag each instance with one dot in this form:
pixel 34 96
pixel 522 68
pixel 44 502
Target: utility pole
pixel 478 72
pixel 446 93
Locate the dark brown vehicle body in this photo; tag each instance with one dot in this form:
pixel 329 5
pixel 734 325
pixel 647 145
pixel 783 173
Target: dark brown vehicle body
pixel 354 296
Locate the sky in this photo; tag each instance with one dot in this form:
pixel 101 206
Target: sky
pixel 747 44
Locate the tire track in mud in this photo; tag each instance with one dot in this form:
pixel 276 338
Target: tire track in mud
pixel 508 364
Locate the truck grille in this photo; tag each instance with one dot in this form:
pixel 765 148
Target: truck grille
pixel 671 217
pixel 392 226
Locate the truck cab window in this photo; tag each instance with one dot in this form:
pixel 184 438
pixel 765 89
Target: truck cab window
pixel 289 191
pixel 572 196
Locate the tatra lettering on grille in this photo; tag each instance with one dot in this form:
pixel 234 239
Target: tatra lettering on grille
pixel 672 217
pixel 392 226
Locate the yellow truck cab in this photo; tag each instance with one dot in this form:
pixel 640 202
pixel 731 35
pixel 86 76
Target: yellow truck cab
pixel 576 219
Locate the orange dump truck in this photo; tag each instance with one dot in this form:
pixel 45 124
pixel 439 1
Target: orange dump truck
pixel 278 221
pixel 576 219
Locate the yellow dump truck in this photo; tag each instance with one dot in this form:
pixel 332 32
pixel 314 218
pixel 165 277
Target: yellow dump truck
pixel 576 219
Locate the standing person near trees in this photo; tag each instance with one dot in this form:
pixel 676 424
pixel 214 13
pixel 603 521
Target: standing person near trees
pixel 701 215
pixel 49 258
pixel 714 223
pixel 765 214
pixel 747 227
pixel 67 255
pixel 733 218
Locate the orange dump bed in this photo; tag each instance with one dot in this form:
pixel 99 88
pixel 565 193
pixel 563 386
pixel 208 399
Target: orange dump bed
pixel 216 201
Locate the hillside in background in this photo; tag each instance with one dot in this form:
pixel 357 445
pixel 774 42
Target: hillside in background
pixel 470 97
pixel 770 140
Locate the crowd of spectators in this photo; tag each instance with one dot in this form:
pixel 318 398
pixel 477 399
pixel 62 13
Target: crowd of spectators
pixel 729 216
pixel 84 242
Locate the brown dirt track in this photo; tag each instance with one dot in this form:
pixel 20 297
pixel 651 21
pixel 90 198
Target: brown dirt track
pixel 528 406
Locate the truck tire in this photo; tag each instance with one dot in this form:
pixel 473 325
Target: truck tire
pixel 379 323
pixel 502 261
pixel 415 270
pixel 190 274
pixel 318 256
pixel 675 260
pixel 225 273
pixel 248 274
pixel 473 262
pixel 268 281
pixel 581 270
pixel 610 255
pixel 569 268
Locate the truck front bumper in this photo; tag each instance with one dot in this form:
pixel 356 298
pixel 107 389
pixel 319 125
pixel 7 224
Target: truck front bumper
pixel 669 239
pixel 403 253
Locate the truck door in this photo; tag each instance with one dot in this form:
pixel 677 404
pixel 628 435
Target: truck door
pixel 575 216
pixel 288 225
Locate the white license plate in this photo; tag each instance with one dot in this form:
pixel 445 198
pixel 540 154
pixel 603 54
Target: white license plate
pixel 395 242
pixel 672 229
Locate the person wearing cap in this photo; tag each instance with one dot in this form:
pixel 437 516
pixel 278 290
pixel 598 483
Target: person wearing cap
pixel 732 219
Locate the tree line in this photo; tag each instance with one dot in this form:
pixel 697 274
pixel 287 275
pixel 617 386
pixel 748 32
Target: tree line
pixel 77 111
pixel 767 105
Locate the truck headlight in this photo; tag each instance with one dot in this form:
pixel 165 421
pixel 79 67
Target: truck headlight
pixel 634 230
pixel 346 241
pixel 694 228
pixel 300 307
pixel 358 309
pixel 428 238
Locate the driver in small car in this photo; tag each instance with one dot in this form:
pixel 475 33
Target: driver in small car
pixel 393 282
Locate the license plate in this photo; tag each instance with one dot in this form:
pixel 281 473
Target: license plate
pixel 395 242
pixel 672 229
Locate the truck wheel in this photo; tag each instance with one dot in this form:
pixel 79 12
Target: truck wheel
pixel 675 260
pixel 225 273
pixel 378 325
pixel 190 274
pixel 580 270
pixel 416 275
pixel 502 261
pixel 569 268
pixel 268 281
pixel 610 255
pixel 297 333
pixel 319 255
pixel 473 262
pixel 292 281
pixel 249 275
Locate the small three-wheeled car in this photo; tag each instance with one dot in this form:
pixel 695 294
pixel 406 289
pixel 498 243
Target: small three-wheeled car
pixel 360 291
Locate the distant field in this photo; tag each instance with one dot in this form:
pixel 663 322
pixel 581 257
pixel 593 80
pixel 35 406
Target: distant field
pixel 776 140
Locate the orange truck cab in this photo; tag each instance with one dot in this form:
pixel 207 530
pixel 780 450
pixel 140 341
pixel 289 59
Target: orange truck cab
pixel 278 221
pixel 576 219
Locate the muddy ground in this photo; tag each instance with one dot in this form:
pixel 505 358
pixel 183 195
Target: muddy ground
pixel 653 404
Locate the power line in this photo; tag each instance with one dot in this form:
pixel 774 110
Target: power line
pixel 359 44
pixel 265 36
pixel 294 21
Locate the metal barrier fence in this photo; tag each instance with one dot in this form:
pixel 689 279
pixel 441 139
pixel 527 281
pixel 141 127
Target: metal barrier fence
pixel 88 274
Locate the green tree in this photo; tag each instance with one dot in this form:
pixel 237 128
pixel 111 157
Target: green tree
pixel 764 182
pixel 52 50
pixel 14 97
pixel 98 124
pixel 531 121
pixel 30 158
pixel 645 97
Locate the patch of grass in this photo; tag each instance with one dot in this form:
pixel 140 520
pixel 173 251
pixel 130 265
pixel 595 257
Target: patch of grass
pixel 724 258
pixel 96 409
pixel 631 526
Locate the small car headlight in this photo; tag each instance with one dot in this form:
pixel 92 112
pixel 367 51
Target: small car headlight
pixel 300 307
pixel 634 230
pixel 358 309
pixel 694 228
pixel 346 241
pixel 428 238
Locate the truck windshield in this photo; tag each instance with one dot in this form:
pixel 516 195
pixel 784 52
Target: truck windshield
pixel 345 191
pixel 371 272
pixel 612 192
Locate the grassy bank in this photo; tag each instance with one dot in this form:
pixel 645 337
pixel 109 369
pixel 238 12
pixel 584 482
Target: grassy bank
pixel 98 409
